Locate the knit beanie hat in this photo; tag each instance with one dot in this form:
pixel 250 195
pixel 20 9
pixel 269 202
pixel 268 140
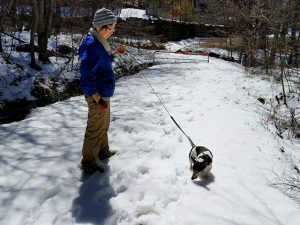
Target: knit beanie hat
pixel 103 17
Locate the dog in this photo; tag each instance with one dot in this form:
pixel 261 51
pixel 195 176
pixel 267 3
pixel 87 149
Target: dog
pixel 200 162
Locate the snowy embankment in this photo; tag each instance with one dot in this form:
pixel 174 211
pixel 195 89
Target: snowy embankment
pixel 148 182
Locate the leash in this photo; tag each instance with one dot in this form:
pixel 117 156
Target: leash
pixel 190 140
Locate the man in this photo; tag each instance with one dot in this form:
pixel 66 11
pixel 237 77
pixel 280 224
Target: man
pixel 98 84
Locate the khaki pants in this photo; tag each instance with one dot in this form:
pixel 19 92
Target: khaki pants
pixel 95 138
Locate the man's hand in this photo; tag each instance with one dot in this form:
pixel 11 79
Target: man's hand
pixel 120 50
pixel 102 104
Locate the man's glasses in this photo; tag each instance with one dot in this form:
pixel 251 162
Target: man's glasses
pixel 111 28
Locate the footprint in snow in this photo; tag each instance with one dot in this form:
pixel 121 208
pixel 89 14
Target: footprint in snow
pixel 64 221
pixel 167 130
pixel 114 118
pixel 72 170
pixel 181 172
pixel 191 119
pixel 137 197
pixel 177 105
pixel 145 149
pixel 121 189
pixel 143 169
pixel 149 104
pixel 171 197
pixel 180 138
pixel 128 129
pixel 162 122
pixel 186 111
pixel 145 209
pixel 165 155
pixel 48 194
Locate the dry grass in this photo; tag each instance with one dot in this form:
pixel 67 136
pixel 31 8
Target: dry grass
pixel 237 43
pixel 222 43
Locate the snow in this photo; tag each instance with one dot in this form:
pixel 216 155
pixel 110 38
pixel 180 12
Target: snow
pixel 175 46
pixel 131 12
pixel 142 14
pixel 148 181
pixel 16 81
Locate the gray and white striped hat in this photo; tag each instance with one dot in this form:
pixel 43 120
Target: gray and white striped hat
pixel 103 17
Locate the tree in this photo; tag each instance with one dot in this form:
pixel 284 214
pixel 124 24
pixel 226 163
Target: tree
pixel 253 22
pixel 42 25
pixel 294 42
pixel 5 10
pixel 45 17
pixel 187 10
pixel 151 6
pixel 33 31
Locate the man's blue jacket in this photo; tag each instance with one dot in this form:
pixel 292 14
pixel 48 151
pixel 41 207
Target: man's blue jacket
pixel 96 68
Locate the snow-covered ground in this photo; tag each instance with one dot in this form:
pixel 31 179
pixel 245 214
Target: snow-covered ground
pixel 136 13
pixel 148 181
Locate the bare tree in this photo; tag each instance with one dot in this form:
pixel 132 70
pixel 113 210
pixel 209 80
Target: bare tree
pixel 294 41
pixel 45 17
pixel 33 31
pixel 5 10
pixel 1 28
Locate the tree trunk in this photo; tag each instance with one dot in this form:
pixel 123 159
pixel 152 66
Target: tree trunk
pixel 44 28
pixel 42 49
pixel 230 46
pixel 294 53
pixel 1 48
pixel 32 33
pixel 266 53
pixel 274 47
pixel 292 43
pixel 282 81
pixel 297 53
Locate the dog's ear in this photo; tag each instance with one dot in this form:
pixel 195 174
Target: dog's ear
pixel 198 150
pixel 207 159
